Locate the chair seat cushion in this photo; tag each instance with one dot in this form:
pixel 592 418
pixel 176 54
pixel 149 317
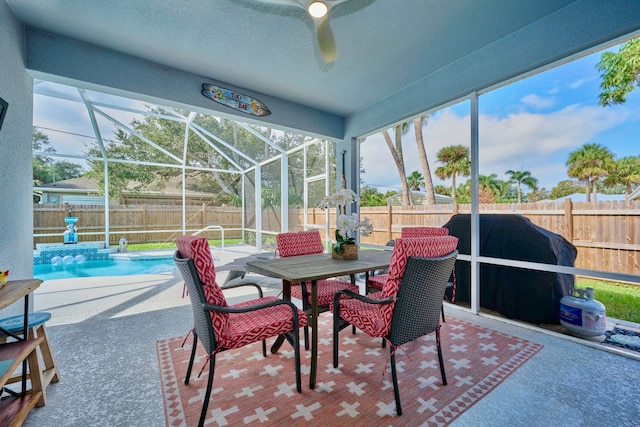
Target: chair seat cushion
pixel 246 328
pixel 378 281
pixel 368 317
pixel 326 290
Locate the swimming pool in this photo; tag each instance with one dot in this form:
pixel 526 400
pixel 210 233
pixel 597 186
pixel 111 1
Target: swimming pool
pixel 111 267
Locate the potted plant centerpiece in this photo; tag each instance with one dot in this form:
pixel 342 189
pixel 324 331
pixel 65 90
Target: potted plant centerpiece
pixel 347 225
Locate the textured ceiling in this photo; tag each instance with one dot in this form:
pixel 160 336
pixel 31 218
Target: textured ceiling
pixel 384 46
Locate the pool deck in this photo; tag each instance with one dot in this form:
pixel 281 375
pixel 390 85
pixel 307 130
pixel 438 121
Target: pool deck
pixel 103 332
pixel 79 299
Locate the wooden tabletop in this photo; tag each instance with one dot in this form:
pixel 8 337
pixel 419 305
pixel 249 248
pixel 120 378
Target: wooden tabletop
pixel 320 266
pixel 16 289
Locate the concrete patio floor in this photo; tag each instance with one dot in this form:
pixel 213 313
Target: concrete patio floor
pixel 104 330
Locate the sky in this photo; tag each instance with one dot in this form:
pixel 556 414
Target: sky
pixel 67 124
pixel 532 124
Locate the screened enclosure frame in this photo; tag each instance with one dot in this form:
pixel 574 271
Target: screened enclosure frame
pixel 97 109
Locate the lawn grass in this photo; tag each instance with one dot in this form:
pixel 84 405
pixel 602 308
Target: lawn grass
pixel 172 245
pixel 622 300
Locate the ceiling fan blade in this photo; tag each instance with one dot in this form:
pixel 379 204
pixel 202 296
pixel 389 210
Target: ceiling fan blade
pixel 326 41
pixel 295 3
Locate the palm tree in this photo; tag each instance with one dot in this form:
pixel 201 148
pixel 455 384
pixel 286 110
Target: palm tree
pixel 626 172
pixel 504 191
pixel 396 153
pixel 418 124
pixel 489 181
pixel 456 162
pixel 588 163
pixel 415 181
pixel 522 177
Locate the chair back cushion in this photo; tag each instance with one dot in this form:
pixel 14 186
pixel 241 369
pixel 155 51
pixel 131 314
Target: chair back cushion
pixel 197 249
pixel 424 247
pixel 413 232
pixel 299 243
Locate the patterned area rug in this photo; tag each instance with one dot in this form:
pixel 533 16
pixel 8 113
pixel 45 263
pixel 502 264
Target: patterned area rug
pixel 625 338
pixel 251 389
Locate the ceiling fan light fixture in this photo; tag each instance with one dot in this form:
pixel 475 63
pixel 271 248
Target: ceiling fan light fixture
pixel 318 9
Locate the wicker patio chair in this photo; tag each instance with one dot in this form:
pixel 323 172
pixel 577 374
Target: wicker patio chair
pixel 308 243
pixel 220 326
pixel 409 304
pixel 375 283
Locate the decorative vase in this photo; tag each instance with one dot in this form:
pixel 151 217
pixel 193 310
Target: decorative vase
pixel 347 252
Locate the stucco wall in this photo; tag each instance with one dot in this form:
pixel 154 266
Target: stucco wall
pixel 16 216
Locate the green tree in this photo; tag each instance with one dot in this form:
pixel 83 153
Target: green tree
pixel 490 181
pixel 45 169
pixel 620 73
pixel 565 188
pixel 167 135
pixel 233 148
pixel 626 172
pixel 415 181
pixel 589 163
pixel 41 163
pixel 504 192
pixel 522 177
pixel 369 196
pixel 538 194
pixel 488 187
pixel 463 192
pixel 456 161
pixel 441 189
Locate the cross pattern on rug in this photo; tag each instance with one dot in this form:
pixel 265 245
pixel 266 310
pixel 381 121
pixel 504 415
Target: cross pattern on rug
pixel 249 388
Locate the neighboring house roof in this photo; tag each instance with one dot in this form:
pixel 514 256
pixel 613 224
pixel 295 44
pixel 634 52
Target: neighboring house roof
pixel 419 198
pixel 81 184
pixel 582 197
pixel 635 194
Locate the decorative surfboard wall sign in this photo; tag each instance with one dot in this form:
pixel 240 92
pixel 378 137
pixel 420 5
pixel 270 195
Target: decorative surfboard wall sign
pixel 235 100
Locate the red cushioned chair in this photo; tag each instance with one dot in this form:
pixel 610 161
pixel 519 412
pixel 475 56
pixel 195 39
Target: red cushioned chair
pixel 220 326
pixel 408 306
pixel 308 243
pixel 375 283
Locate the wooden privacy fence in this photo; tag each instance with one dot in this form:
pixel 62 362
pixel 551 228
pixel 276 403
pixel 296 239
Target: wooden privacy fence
pixel 606 234
pixel 139 223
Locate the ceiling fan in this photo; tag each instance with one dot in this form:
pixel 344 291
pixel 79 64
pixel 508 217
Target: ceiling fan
pixel 318 11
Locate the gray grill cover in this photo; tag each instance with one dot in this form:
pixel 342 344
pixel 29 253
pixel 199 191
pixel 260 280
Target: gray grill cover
pixel 528 295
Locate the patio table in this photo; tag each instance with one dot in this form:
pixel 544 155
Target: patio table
pixel 311 268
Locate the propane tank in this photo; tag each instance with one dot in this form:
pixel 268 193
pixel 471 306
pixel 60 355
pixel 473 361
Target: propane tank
pixel 583 315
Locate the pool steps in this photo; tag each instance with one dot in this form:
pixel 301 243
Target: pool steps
pixel 91 252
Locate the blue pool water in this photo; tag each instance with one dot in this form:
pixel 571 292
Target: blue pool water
pixel 110 267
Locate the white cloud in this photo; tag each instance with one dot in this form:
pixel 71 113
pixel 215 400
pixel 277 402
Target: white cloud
pixel 535 142
pixel 577 84
pixel 538 102
pixel 538 138
pixel 444 129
